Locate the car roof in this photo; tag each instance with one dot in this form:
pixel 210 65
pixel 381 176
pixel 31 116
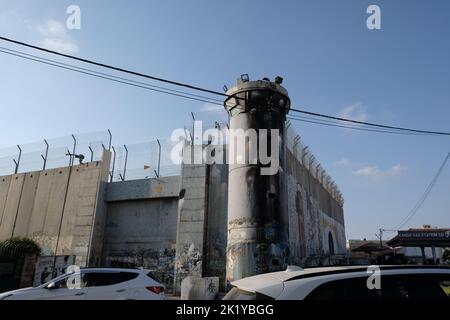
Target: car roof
pixel 266 283
pixel 112 270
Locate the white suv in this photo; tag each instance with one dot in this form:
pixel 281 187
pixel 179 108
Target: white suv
pixel 346 283
pixel 94 284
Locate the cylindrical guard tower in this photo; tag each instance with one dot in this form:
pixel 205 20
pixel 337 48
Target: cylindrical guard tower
pixel 256 237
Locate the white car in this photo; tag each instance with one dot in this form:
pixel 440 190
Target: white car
pixel 346 283
pixel 94 284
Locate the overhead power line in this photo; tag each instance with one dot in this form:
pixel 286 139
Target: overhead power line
pixel 70 66
pixel 360 128
pixel 369 123
pixel 424 196
pixel 115 79
pixel 112 67
pixel 185 95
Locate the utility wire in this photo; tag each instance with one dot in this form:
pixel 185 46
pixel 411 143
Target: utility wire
pixel 369 123
pixel 209 91
pixel 109 75
pixel 422 199
pixel 336 124
pixel 112 67
pixel 111 78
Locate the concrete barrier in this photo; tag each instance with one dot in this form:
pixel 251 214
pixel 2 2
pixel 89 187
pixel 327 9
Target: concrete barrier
pixel 11 206
pixel 26 204
pixel 47 209
pixel 4 188
pixel 196 288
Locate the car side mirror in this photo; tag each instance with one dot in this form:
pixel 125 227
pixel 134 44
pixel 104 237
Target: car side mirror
pixel 51 286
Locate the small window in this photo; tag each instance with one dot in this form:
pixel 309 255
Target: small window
pixel 100 279
pixel 153 277
pixel 414 287
pixel 63 283
pixel 393 287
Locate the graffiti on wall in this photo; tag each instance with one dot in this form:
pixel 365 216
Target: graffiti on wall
pixel 49 267
pixel 308 223
pixel 189 260
pixel 159 262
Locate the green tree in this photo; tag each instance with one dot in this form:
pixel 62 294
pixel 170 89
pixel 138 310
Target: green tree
pixel 19 247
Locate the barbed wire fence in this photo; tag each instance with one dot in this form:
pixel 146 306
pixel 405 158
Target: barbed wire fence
pixel 305 157
pixel 54 153
pixel 143 160
pixel 128 162
pixel 140 160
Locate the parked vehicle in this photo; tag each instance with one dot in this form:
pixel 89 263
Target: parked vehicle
pixel 346 283
pixel 94 284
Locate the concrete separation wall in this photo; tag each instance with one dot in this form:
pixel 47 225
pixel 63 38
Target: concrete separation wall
pixel 314 215
pixel 167 187
pixel 11 206
pixel 142 233
pixel 26 204
pixel 80 210
pixel 48 208
pixel 4 189
pixel 191 222
pixel 216 230
pixel 57 208
pixel 141 226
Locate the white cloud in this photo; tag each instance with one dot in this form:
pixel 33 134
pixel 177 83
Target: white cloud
pixel 355 111
pixel 375 173
pixel 53 28
pixel 60 45
pixel 342 163
pixel 56 37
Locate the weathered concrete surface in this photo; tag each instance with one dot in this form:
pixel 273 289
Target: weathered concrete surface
pixel 197 288
pixel 47 268
pixel 257 237
pixel 313 215
pixel 96 239
pixel 80 209
pixel 26 278
pixel 57 208
pixel 142 233
pixel 4 189
pixel 26 204
pixel 48 208
pixel 11 206
pixel 167 187
pixel 192 208
pixel 216 230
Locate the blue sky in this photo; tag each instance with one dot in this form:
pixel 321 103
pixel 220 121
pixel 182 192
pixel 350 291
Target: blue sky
pixel 330 61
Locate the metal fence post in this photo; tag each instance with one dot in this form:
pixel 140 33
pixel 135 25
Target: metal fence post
pixel 74 149
pixel 193 127
pixel 110 139
pixel 18 160
pixel 113 165
pixel 46 155
pixel 92 153
pixel 159 156
pixel 125 166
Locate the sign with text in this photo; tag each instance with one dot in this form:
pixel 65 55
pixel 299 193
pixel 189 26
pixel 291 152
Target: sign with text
pixel 425 234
